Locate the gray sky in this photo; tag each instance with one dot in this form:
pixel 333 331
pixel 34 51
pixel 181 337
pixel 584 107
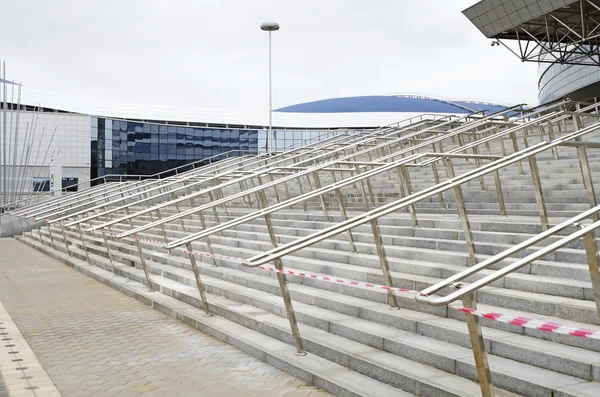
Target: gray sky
pixel 212 53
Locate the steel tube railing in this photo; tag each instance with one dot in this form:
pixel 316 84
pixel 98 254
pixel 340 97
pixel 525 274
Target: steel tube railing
pixel 195 173
pixel 149 187
pixel 239 195
pixel 382 167
pixel 178 200
pixel 89 181
pixel 425 295
pixel 399 204
pixel 312 159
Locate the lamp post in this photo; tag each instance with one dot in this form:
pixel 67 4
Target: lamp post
pixel 270 27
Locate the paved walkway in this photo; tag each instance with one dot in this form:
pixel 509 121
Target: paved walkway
pixel 94 340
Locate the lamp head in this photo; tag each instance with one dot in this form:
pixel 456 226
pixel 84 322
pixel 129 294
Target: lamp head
pixel 269 26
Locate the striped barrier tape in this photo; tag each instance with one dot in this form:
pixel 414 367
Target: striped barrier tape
pixel 525 322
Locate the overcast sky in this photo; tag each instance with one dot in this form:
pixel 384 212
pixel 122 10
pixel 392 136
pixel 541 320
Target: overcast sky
pixel 212 53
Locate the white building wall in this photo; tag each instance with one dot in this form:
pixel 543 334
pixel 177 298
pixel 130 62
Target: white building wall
pixel 71 143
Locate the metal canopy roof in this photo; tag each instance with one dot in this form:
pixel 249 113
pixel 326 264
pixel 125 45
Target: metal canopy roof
pixel 391 103
pixel 549 31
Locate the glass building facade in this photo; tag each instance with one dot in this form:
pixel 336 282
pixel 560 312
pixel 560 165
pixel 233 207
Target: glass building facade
pixel 142 148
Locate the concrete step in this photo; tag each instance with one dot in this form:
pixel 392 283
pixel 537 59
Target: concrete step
pixel 270 286
pixel 384 366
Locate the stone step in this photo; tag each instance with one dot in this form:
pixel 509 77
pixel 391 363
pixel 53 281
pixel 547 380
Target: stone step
pixel 259 279
pixel 373 362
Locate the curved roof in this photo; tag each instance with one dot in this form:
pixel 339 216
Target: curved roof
pixel 391 103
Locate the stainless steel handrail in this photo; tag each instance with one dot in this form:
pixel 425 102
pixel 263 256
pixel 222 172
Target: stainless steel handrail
pixel 234 196
pixel 270 164
pixel 216 177
pixel 394 206
pixel 268 185
pixel 425 295
pixel 104 177
pixel 381 168
pixel 151 184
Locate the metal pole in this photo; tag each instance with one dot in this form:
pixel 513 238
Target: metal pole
pixel 16 139
pixel 3 164
pixel 478 346
pixel 10 128
pixel 539 195
pixel 199 283
pixel 270 138
pixel 591 251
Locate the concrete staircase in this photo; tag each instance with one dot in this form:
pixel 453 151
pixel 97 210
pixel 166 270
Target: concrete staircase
pixel 356 345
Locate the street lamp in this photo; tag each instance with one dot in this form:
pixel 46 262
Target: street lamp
pixel 270 27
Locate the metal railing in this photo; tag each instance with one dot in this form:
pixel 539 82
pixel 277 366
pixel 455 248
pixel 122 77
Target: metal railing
pixel 264 212
pixel 423 142
pixel 120 177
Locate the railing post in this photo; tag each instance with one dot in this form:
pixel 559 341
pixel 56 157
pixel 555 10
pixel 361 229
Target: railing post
pixel 476 336
pixel 144 266
pixel 285 293
pixel 591 252
pixel 203 224
pixel 110 257
pixel 551 138
pixel 219 193
pixel 87 255
pixel 274 188
pixel 141 253
pixel 513 137
pixel 462 213
pixel 383 262
pixel 588 183
pixel 214 208
pixel 199 283
pixel 51 236
pixel 499 193
pixel 208 242
pixel 340 200
pixel 539 195
pixel 436 179
pixel 64 233
pixel 406 182
pixel 321 198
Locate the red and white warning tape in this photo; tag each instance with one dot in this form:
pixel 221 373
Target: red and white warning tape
pixel 525 322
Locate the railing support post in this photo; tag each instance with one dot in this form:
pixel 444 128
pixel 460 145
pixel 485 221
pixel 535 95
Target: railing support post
pixel 591 252
pixel 64 233
pixel 321 198
pixel 110 257
pixel 199 283
pixel 208 242
pixel 340 200
pixel 51 236
pixel 144 266
pixel 436 179
pixel 285 293
pixel 385 268
pixel 499 193
pixel 539 195
pixel 406 182
pixel 85 250
pixel 476 336
pixel 588 183
pixel 513 137
pixel 462 213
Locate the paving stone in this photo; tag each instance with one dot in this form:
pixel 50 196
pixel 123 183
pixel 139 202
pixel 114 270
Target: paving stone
pixel 93 340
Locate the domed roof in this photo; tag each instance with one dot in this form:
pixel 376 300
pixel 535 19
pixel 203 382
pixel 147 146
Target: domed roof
pixel 391 103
